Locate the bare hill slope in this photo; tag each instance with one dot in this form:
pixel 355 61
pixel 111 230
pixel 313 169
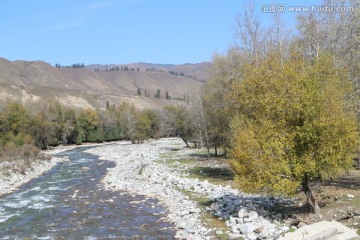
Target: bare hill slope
pixel 83 87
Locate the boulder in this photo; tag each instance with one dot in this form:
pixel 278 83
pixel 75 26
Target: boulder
pixel 247 228
pixel 250 216
pixel 318 231
pixel 235 236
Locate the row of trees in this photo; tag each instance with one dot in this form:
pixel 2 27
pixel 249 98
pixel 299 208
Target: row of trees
pixel 185 97
pixel 286 108
pixel 181 74
pixel 116 68
pixel 41 126
pixel 75 65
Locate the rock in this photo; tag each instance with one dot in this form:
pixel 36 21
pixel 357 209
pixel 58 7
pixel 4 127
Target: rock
pixel 285 229
pixel 319 230
pixel 251 236
pixel 264 233
pixel 250 216
pixel 182 225
pixel 246 228
pixel 85 168
pixel 234 229
pixel 234 236
pixel 350 235
pixel 301 224
pixel 241 212
pixel 214 206
pixel 219 232
pixel 232 220
pixel 350 196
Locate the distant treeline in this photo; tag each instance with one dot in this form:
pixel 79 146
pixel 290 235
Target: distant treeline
pixel 126 68
pixel 25 130
pixel 75 65
pixel 185 97
pixel 182 74
pixel 122 68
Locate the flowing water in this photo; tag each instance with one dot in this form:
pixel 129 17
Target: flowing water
pixel 69 202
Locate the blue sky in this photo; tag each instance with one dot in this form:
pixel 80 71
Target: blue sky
pixel 121 31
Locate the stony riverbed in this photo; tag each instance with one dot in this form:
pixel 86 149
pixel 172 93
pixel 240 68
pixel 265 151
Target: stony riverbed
pixel 139 169
pixel 131 190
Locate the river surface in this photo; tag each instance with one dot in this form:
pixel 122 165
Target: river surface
pixel 69 202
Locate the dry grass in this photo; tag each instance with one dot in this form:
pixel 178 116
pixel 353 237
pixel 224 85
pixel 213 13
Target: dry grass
pixel 18 159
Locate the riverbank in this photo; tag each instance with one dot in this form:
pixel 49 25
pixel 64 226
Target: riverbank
pixel 11 180
pixel 143 169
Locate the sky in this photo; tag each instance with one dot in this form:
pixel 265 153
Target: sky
pixel 123 31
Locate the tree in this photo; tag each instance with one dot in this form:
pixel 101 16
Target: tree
pixel 90 124
pixel 128 117
pixel 323 32
pixel 225 71
pixel 157 95
pixel 292 125
pixel 139 91
pixel 43 130
pixel 251 34
pixel 177 122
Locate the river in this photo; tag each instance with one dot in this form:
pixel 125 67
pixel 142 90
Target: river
pixel 69 202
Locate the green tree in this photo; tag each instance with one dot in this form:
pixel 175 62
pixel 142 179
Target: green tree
pixel 90 124
pixel 218 109
pixel 157 95
pixel 292 125
pixel 43 130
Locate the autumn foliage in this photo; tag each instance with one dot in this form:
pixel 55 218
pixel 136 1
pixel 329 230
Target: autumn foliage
pixel 292 124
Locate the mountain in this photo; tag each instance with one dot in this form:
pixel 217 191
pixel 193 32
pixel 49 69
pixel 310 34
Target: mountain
pixel 93 85
pixel 199 71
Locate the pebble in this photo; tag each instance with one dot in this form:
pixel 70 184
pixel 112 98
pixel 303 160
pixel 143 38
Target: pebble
pixel 350 196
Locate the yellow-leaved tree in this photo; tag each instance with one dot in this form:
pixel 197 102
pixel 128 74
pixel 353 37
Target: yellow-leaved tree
pixel 292 124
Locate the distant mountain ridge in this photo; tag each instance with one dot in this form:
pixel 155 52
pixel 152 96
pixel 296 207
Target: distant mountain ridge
pixel 84 87
pixel 198 70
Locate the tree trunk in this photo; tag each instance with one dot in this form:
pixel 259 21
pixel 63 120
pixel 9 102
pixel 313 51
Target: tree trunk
pixel 177 132
pixel 216 153
pixel 309 196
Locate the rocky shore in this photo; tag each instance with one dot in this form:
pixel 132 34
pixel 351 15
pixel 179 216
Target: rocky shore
pixel 11 180
pixel 140 169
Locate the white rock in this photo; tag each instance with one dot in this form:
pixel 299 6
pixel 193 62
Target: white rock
pixel 232 220
pixel 241 212
pixel 246 228
pixel 285 229
pixel 250 216
pixel 234 236
pixel 350 196
pixel 251 236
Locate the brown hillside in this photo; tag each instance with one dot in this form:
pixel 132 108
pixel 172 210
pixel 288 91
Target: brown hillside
pixel 84 87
